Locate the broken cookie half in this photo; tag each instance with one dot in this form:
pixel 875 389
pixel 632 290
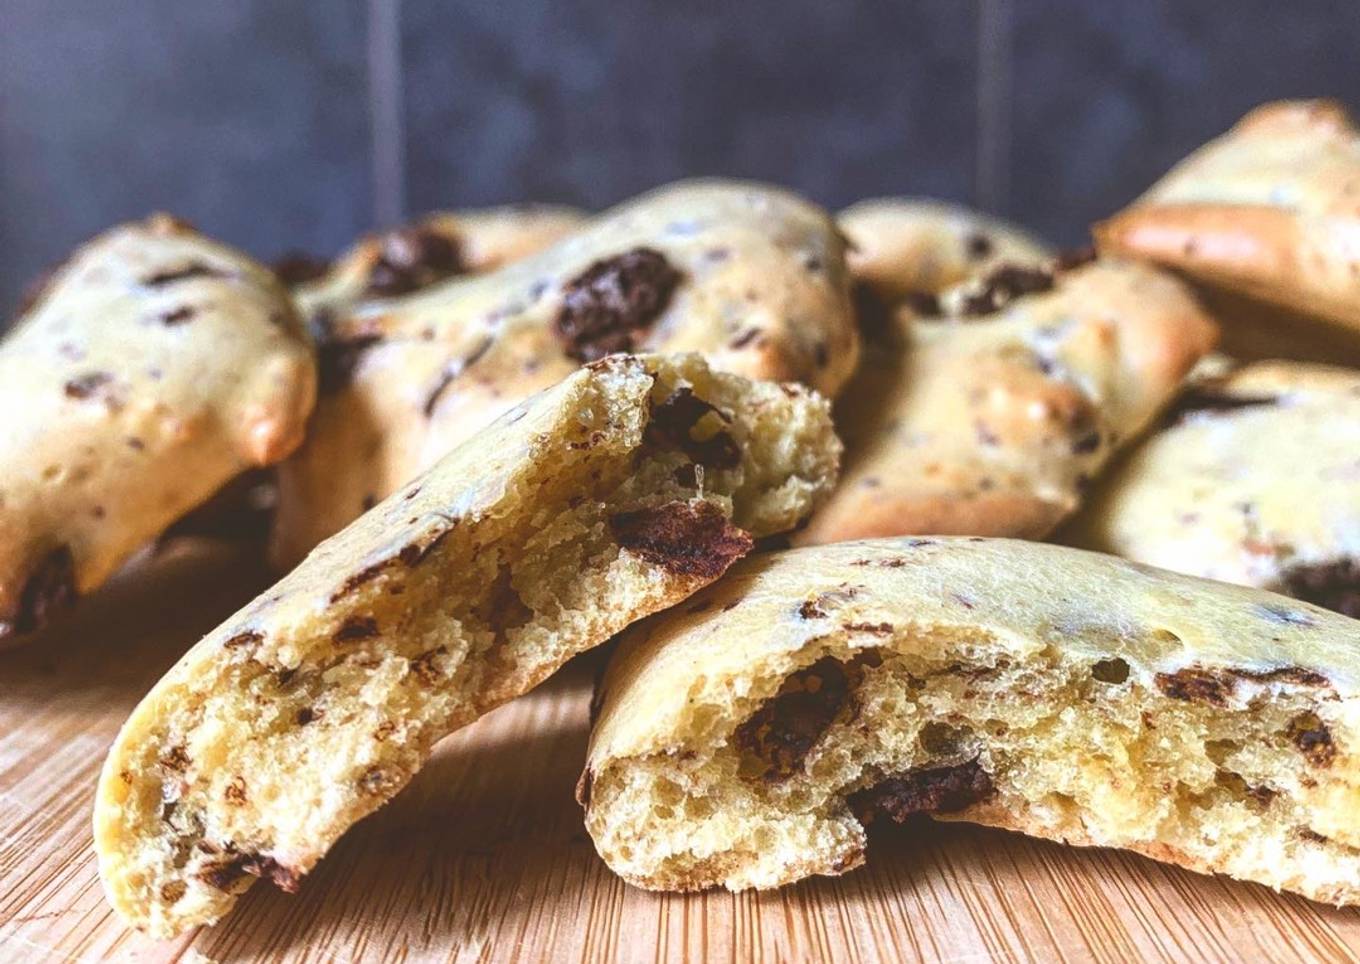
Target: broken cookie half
pixel 748 738
pixel 615 494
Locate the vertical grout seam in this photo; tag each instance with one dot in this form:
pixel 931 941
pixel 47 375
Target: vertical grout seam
pixel 991 184
pixel 387 117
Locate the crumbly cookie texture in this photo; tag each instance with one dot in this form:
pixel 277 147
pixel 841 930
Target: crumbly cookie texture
pixel 1254 479
pixel 993 417
pixel 747 738
pixel 1269 209
pixel 751 276
pixel 615 494
pixel 914 248
pixel 150 369
pixel 434 248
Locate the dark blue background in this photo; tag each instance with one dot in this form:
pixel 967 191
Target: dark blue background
pixel 280 125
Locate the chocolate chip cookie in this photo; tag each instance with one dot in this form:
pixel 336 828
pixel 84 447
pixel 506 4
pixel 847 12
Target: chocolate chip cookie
pixel 616 493
pixel 748 738
pixel 150 369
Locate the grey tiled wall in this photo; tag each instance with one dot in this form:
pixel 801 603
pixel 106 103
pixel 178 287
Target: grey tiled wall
pixel 298 123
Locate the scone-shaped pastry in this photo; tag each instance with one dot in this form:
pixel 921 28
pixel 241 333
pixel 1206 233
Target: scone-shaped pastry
pixel 751 276
pixel 749 738
pixel 993 419
pixel 150 369
pixel 432 249
pixel 615 494
pixel 1255 481
pixel 914 248
pixel 1271 209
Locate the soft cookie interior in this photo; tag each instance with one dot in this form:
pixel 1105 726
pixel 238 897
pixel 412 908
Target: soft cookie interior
pixel 1244 773
pixel 320 700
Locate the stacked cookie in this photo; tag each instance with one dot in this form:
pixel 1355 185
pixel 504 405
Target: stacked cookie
pixel 528 431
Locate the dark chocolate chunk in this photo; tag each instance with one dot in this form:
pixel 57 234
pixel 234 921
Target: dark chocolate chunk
pixel 1113 670
pixel 1197 685
pixel 194 269
pixel 684 538
pixel 411 258
pixel 178 316
pixel 1333 585
pixel 1003 286
pixel 299 267
pixel 607 306
pixel 248 638
pixel 672 424
pixel 1313 739
pixel 978 245
pixel 355 628
pixel 787 726
pixel 87 385
pixel 923 790
pixel 51 588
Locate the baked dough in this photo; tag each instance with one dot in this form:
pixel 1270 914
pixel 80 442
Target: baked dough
pixel 1256 480
pixel 994 418
pixel 1270 209
pixel 749 275
pixel 434 248
pixel 747 738
pixel 150 369
pixel 617 493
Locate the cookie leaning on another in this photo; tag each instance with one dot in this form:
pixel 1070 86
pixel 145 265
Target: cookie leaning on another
pixel 615 494
pixel 430 250
pixel 1270 209
pixel 747 739
pixel 152 367
pixel 994 418
pixel 751 276
pixel 1255 481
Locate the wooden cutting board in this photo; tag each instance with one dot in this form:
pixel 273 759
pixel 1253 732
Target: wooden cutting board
pixel 484 856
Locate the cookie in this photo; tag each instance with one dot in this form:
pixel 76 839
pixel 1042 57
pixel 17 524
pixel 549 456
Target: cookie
pixel 1254 480
pixel 908 248
pixel 1269 209
pixel 437 247
pixel 751 276
pixel 150 369
pixel 617 493
pixel 993 418
pixel 747 738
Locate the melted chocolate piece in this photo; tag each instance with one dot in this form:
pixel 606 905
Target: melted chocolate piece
pixel 673 421
pixel 684 538
pixel 1332 585
pixel 1197 685
pixel 786 727
pixel 412 258
pixel 923 790
pixel 1313 739
pixel 298 267
pixel 606 308
pixel 1003 286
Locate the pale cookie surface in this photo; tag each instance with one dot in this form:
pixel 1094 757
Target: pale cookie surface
pixel 152 367
pixel 751 276
pixel 910 247
pixel 1271 209
pixel 747 738
pixel 1255 481
pixel 434 248
pixel 617 493
pixel 993 418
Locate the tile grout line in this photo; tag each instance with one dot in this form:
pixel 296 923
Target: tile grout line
pixel 387 118
pixel 991 184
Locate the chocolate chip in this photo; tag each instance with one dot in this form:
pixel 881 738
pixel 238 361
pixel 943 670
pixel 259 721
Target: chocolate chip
pixel 355 628
pixel 1333 585
pixel 607 306
pixel 672 423
pixel 1003 286
pixel 194 269
pixel 1110 671
pixel 1197 685
pixel 306 715
pixel 51 588
pixel 223 873
pixel 923 790
pixel 978 245
pixel 744 338
pixel 1313 739
pixel 412 258
pixel 787 726
pixel 684 538
pixel 248 638
pixel 178 316
pixel 1086 443
pixel 87 385
pixel 298 267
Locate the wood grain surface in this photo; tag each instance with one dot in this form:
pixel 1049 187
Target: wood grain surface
pixel 484 858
